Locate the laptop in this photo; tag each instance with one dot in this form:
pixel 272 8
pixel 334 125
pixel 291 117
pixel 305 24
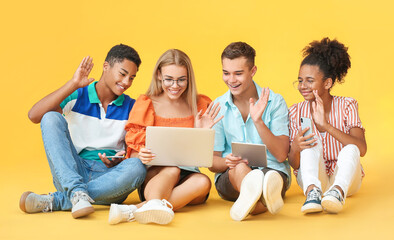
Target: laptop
pixel 176 146
pixel 256 154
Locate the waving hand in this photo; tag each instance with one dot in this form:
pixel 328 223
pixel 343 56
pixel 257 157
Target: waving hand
pixel 80 78
pixel 207 120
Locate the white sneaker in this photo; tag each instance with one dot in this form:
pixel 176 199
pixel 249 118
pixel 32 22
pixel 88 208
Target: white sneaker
pixel 81 204
pixel 332 201
pixel 272 191
pixel 33 203
pixel 155 211
pixel 121 213
pixel 250 192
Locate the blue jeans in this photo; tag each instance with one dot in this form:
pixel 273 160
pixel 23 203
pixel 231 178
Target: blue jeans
pixel 72 173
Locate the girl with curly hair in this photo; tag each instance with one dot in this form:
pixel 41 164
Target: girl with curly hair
pixel 328 159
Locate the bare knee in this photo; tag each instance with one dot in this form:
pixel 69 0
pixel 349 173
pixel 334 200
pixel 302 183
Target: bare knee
pixel 171 171
pixel 239 171
pixel 237 174
pixel 202 183
pixel 240 168
pixel 202 186
pixel 159 171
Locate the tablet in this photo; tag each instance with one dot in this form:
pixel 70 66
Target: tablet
pixel 175 146
pixel 256 154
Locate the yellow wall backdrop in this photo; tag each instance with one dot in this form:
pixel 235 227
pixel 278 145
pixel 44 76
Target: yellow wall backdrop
pixel 42 43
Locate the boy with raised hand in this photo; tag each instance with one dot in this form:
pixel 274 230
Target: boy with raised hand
pixel 251 115
pixel 82 125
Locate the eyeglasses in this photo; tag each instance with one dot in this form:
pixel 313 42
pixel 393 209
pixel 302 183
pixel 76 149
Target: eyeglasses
pixel 306 83
pixel 180 82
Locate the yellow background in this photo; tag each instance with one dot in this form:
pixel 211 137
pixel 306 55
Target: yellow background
pixel 42 43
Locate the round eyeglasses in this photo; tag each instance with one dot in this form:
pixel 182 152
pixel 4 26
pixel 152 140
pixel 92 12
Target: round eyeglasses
pixel 180 82
pixel 306 83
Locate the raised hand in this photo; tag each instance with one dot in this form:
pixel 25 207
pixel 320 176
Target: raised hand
pixel 80 78
pixel 318 113
pixel 256 110
pixel 207 120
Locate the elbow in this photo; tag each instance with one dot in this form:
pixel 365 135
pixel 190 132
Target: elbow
pixel 217 168
pixel 363 150
pixel 214 168
pixel 33 117
pixel 282 158
pixel 283 155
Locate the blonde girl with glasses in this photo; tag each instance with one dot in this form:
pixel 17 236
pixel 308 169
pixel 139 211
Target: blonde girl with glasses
pixel 327 159
pixel 170 101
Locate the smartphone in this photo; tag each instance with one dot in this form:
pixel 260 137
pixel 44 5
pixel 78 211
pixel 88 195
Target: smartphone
pixel 110 157
pixel 306 122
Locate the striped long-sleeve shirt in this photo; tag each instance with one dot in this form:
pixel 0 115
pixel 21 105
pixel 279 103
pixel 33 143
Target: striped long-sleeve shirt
pixel 343 116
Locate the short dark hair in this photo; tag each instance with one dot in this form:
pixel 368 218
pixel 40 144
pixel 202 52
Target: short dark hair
pixel 330 56
pixel 119 52
pixel 240 49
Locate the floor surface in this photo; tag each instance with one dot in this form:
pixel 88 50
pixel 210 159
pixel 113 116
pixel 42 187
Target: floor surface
pixel 366 215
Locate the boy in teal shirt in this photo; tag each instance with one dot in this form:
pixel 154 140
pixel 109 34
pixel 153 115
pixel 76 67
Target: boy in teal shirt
pixel 251 115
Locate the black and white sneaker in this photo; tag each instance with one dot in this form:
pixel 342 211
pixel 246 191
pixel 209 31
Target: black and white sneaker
pixel 313 201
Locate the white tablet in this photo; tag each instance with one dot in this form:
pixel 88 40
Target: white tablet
pixel 176 146
pixel 256 154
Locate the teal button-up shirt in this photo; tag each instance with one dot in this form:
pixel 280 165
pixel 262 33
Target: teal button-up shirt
pixel 232 128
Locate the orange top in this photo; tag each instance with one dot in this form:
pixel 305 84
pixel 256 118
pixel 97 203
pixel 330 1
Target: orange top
pixel 143 114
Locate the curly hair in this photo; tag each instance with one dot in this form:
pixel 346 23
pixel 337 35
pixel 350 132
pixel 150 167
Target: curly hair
pixel 330 56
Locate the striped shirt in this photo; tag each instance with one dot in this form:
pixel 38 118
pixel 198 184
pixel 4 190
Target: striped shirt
pixel 92 129
pixel 343 116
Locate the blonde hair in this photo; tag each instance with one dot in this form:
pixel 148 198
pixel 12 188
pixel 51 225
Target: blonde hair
pixel 179 58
